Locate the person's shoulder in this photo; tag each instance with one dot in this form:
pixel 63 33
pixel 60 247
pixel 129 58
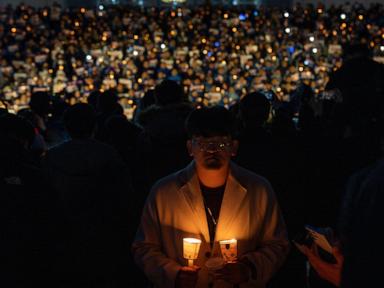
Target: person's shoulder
pixel 57 150
pixel 250 180
pixel 168 185
pixel 100 146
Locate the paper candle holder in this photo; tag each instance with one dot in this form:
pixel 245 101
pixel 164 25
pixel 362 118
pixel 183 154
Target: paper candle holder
pixel 229 249
pixel 191 247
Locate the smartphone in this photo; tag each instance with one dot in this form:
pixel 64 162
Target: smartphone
pixel 303 238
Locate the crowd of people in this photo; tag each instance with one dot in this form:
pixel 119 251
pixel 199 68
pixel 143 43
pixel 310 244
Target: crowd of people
pixel 218 54
pixel 91 193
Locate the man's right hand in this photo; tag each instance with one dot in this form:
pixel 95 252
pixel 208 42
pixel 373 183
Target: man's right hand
pixel 187 277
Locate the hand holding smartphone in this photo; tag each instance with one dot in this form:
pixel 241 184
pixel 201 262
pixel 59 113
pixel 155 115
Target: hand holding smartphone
pixel 321 237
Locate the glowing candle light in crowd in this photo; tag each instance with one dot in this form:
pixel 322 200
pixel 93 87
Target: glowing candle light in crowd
pixel 229 249
pixel 191 247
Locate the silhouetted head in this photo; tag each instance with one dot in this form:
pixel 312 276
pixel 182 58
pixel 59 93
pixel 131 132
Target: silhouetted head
pixel 168 92
pixel 80 120
pixel 254 108
pixel 118 130
pixel 355 50
pixel 40 103
pixel 107 101
pixel 16 130
pixel 148 99
pixel 93 98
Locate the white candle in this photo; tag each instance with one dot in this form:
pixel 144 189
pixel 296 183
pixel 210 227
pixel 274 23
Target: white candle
pixel 191 247
pixel 229 249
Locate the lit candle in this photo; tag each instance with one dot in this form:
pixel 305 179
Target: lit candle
pixel 191 247
pixel 229 249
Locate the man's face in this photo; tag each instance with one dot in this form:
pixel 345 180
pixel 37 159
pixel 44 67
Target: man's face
pixel 212 153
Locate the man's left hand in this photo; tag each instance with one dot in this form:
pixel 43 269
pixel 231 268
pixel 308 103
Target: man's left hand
pixel 234 273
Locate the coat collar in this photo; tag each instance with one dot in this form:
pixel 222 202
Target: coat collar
pixel 234 194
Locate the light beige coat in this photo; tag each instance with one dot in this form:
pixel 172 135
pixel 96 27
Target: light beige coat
pixel 175 210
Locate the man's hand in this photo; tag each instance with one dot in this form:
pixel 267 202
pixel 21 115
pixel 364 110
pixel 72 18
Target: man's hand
pixel 328 271
pixel 187 277
pixel 234 273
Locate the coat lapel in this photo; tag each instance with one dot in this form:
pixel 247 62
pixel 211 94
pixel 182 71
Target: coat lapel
pixel 193 196
pixel 233 197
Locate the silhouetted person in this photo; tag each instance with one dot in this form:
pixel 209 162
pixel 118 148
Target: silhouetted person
pixel 56 132
pixel 265 155
pixel 40 104
pixel 24 244
pixel 351 140
pixel 359 86
pixel 122 134
pixel 107 106
pixel 162 144
pixel 360 221
pixel 92 186
pixel 256 143
pixel 147 100
pixel 93 98
pixel 39 146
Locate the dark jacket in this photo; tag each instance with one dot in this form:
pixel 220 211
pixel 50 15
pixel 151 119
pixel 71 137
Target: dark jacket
pixel 92 186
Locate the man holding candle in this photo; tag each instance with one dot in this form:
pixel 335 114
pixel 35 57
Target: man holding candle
pixel 212 200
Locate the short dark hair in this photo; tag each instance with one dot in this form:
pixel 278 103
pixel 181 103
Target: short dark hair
pixel 209 121
pixel 169 92
pixel 40 103
pixel 255 107
pixel 80 120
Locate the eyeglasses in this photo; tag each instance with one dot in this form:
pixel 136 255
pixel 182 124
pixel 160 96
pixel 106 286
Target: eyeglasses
pixel 212 146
